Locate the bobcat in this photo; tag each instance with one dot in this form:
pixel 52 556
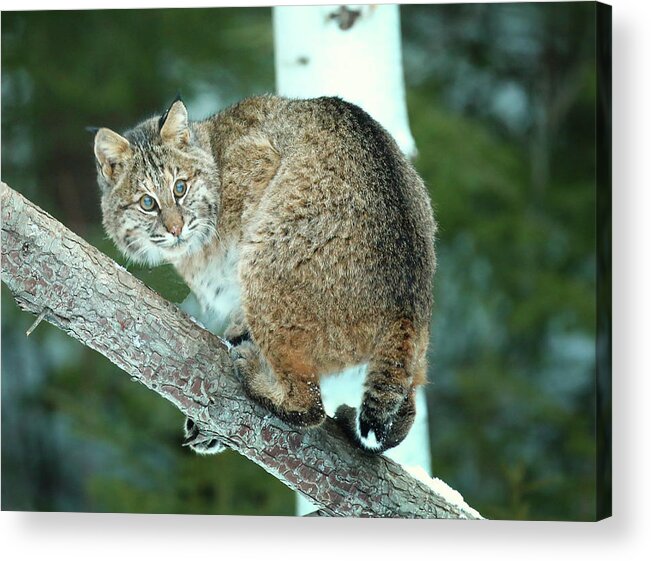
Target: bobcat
pixel 301 224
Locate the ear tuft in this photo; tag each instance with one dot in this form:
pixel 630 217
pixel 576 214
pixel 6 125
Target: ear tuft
pixel 173 125
pixel 163 117
pixel 111 149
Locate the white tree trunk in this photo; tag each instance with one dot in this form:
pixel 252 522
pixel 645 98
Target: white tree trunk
pixel 362 63
pixel 353 52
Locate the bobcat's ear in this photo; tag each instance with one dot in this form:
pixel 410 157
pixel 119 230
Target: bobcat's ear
pixel 111 149
pixel 173 125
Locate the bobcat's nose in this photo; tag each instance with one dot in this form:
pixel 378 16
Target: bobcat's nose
pixel 173 222
pixel 175 230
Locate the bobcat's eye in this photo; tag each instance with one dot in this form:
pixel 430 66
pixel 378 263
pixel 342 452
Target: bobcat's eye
pixel 180 188
pixel 147 203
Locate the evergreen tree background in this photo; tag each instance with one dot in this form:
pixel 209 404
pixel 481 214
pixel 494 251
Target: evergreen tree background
pixel 502 105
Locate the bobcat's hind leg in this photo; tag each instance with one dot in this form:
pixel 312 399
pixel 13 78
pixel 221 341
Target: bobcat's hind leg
pixel 387 410
pixel 294 398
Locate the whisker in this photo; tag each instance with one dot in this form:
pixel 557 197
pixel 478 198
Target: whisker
pixel 130 244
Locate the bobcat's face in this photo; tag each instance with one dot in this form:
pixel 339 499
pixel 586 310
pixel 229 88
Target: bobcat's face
pixel 160 193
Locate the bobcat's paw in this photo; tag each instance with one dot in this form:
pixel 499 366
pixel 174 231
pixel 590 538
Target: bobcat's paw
pixel 298 404
pixel 238 330
pixel 236 335
pixel 373 430
pixel 246 358
pixel 199 442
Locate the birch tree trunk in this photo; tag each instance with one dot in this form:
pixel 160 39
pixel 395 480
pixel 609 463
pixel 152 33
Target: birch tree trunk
pixel 354 52
pixel 57 276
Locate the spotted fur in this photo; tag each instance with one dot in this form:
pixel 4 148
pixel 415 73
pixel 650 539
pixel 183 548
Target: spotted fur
pixel 305 225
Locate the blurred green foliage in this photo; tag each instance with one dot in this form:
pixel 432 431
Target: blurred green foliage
pixel 501 100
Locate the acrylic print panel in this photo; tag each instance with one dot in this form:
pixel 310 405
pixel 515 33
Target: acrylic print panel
pixel 503 110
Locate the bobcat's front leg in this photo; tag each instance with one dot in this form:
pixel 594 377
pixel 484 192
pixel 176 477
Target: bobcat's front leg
pixel 236 332
pixel 238 329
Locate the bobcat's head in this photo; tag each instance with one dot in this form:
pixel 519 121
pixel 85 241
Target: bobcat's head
pixel 160 189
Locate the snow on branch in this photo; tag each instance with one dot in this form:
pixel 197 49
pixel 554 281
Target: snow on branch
pixel 57 276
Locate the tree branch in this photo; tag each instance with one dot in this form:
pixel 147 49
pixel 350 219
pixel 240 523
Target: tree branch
pixel 57 276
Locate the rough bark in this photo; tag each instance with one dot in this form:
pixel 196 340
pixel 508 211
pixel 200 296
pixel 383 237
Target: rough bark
pixel 54 273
